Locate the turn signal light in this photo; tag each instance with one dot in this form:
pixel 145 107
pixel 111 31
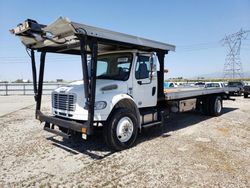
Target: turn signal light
pixel 84 130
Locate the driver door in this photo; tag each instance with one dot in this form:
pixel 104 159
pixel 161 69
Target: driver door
pixel 145 81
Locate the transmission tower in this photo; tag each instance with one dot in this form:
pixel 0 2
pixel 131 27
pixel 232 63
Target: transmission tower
pixel 233 66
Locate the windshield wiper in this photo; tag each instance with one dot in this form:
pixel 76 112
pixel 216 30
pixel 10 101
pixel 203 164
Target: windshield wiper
pixel 110 77
pixel 104 77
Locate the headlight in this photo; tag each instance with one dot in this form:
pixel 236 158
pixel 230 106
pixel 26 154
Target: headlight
pixel 99 105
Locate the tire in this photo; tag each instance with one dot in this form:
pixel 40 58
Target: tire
pixel 205 106
pixel 120 131
pixel 215 106
pixel 245 95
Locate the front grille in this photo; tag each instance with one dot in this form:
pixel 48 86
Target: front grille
pixel 64 101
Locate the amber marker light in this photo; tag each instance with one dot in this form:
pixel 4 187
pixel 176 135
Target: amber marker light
pixel 84 130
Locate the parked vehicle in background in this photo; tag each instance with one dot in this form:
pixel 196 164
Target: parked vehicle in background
pixel 246 91
pixel 215 84
pixel 200 84
pixel 170 85
pixel 236 84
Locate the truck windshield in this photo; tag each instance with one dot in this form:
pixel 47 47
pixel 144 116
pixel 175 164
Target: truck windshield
pixel 114 66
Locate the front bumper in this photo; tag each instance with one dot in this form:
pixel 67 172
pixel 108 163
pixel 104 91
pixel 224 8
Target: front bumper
pixel 51 121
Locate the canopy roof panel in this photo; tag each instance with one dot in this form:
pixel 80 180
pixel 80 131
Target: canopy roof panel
pixel 61 37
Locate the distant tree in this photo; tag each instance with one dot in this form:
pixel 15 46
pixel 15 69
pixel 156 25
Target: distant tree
pixel 19 81
pixel 59 80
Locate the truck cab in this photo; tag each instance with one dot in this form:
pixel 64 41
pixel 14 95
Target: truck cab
pixel 120 75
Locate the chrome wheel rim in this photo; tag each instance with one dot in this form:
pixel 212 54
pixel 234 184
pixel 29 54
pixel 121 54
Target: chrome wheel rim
pixel 124 129
pixel 219 106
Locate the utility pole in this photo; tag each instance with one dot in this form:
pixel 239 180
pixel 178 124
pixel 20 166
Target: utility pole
pixel 233 66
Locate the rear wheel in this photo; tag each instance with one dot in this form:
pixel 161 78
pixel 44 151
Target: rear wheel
pixel 120 130
pixel 215 107
pixel 245 95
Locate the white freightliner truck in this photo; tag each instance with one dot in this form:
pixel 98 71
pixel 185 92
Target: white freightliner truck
pixel 122 86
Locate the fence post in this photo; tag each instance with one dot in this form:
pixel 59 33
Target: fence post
pixel 24 92
pixel 6 89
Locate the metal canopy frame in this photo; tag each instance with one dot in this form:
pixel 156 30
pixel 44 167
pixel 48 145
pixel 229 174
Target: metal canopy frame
pixel 61 37
pixel 86 41
pixel 89 85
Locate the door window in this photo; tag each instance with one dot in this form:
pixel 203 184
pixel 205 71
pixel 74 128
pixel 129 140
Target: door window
pixel 142 68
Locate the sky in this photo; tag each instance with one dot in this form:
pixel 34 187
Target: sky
pixel 196 27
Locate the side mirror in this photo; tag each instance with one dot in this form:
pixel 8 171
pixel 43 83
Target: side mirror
pixel 153 68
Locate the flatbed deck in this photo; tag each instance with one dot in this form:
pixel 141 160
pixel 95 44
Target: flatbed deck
pixel 189 92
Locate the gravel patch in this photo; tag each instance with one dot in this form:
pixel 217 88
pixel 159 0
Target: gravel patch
pixel 192 150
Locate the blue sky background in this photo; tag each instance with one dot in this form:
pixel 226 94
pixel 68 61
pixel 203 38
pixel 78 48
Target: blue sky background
pixel 195 27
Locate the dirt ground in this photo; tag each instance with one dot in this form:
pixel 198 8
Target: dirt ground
pixel 10 104
pixel 192 150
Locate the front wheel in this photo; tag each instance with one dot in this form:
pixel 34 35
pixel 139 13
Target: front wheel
pixel 245 95
pixel 120 130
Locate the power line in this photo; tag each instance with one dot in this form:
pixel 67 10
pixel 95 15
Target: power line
pixel 198 44
pixel 197 49
pixel 27 62
pixel 15 57
pixel 11 60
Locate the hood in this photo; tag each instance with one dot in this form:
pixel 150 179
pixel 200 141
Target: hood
pixel 102 86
